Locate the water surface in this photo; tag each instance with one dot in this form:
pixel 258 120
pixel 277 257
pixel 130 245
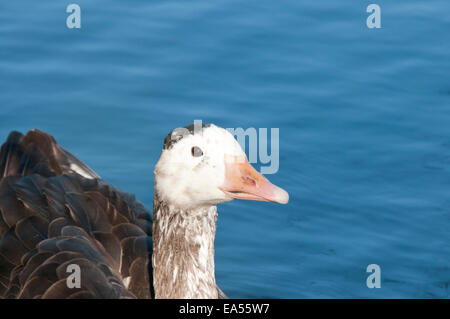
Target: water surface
pixel 364 118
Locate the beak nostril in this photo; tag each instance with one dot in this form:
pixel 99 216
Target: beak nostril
pixel 248 181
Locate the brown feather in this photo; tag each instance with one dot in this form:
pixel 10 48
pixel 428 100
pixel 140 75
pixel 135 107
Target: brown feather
pixel 51 217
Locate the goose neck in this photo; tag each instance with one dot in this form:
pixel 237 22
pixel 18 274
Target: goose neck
pixel 183 251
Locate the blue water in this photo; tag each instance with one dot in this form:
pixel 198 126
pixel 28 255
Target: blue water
pixel 364 119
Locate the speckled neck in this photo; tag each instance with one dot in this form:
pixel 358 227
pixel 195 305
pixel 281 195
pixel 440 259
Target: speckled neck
pixel 183 251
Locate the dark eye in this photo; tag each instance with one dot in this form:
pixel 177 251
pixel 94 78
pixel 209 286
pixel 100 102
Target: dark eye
pixel 196 151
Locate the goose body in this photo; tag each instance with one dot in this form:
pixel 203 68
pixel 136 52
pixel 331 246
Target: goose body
pixel 56 212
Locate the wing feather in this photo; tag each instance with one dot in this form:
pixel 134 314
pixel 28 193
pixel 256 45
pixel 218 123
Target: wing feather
pixel 55 211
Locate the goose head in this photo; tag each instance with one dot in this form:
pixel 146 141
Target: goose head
pixel 201 167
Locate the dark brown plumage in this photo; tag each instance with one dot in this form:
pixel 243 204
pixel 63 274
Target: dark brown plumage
pixel 51 217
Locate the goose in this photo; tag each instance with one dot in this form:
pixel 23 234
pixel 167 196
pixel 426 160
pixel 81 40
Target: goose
pixel 56 213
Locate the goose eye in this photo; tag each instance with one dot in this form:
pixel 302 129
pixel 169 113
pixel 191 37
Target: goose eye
pixel 196 151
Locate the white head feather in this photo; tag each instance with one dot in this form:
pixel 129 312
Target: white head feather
pixel 186 181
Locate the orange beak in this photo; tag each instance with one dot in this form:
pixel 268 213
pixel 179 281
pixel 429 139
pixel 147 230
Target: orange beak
pixel 242 181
